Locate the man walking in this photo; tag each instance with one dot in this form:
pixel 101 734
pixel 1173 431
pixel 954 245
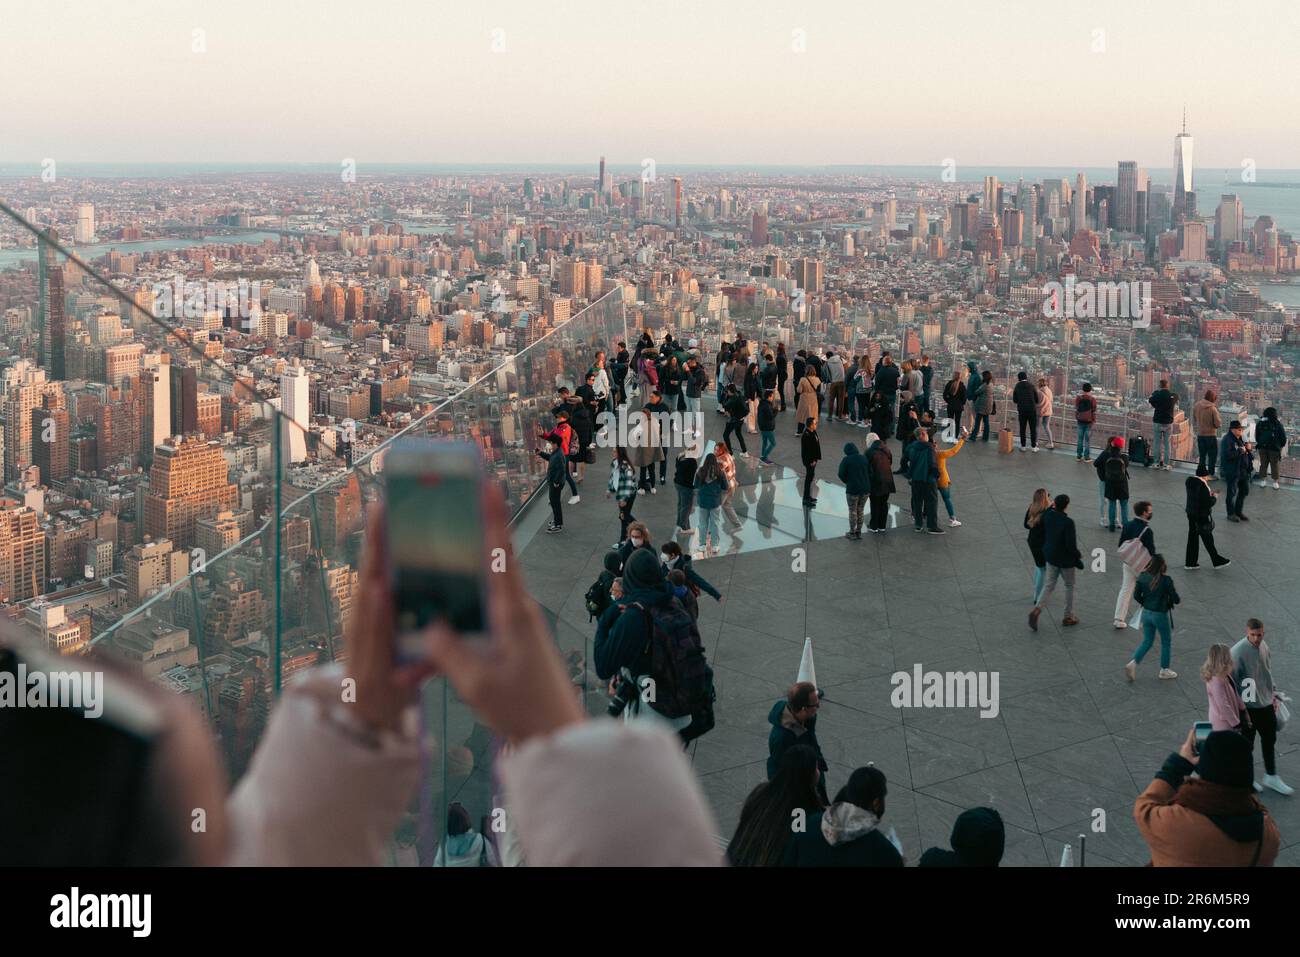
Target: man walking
pixel 1137 543
pixel 1163 402
pixel 1252 672
pixel 1061 549
pixel 1200 520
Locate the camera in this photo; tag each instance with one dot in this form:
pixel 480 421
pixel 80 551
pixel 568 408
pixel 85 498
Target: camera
pixel 626 692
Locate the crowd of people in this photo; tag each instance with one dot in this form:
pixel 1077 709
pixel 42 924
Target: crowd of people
pixel 334 774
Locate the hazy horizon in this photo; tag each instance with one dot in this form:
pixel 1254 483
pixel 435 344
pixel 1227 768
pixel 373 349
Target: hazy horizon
pixel 780 84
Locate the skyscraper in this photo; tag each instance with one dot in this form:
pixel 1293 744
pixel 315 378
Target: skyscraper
pixel 22 552
pixel 1229 221
pixel 1184 189
pixel 990 195
pixel 53 334
pixel 1126 197
pixel 677 201
pixel 1079 208
pixel 294 399
pixel 84 231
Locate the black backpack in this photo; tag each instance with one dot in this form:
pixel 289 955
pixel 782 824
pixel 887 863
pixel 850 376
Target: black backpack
pixel 683 680
pixel 598 598
pixel 1114 469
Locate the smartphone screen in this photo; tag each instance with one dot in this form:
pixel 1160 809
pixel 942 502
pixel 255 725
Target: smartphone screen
pixel 435 538
pixel 1202 729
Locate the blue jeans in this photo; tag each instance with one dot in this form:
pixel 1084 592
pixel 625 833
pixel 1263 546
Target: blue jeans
pixel 1040 576
pixel 685 502
pixel 976 431
pixel 1045 427
pixel 1162 443
pixel 947 501
pixel 708 525
pixel 1123 508
pixel 692 407
pixel 767 444
pixel 1153 621
pixel 1083 448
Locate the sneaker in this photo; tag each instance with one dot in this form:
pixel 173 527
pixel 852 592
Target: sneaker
pixel 935 531
pixel 1223 563
pixel 954 523
pixel 550 529
pixel 1257 786
pixel 1033 618
pixel 1023 449
pixel 1069 620
pixel 1242 518
pixel 1102 522
pixel 1119 623
pixel 654 490
pixel 1263 485
pixel 1078 458
pixel 917 528
pixel 1191 568
pixel 849 535
pixel 1167 674
pixel 1131 669
pixel 1034 449
pixel 1276 485
pixel 575 499
pixel 1234 518
pixel 1277 784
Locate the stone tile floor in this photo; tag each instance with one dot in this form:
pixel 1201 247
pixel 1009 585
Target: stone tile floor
pixel 1072 734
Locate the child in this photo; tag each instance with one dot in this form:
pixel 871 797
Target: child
pixel 677 578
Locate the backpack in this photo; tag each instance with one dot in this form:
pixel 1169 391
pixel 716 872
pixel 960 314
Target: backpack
pixel 1085 409
pixel 1114 469
pixel 598 597
pixel 683 680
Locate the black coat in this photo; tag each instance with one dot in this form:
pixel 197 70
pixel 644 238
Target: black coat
pixel 811 849
pixel 1036 539
pixel 810 447
pixel 1025 396
pixel 1060 545
pixel 882 469
pixel 1200 500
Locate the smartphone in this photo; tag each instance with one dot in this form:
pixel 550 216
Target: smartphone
pixel 1201 731
pixel 437 556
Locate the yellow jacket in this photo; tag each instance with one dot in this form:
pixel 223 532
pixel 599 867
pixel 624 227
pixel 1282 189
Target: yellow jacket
pixel 944 480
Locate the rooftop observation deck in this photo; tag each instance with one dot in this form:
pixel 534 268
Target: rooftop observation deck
pixel 1072 734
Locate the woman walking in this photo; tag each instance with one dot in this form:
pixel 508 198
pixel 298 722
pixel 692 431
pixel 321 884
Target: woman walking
pixel 1037 537
pixel 808 406
pixel 710 486
pixel 1227 712
pixel 1156 594
pixel 945 482
pixel 623 486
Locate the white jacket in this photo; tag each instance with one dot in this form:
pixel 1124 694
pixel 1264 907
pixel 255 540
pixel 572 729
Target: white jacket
pixel 597 793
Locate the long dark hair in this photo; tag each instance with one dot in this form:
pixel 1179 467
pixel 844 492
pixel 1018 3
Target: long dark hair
pixel 765 819
pixel 1155 568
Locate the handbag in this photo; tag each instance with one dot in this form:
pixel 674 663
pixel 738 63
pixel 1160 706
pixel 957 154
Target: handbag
pixel 1134 554
pixel 1281 713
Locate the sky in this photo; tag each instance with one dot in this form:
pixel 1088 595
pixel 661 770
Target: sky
pixel 1032 82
